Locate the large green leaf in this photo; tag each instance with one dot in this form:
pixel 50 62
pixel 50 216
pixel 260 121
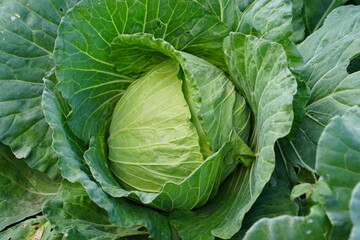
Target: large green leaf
pixel 315 226
pixel 269 90
pixel 22 190
pixel 338 162
pixel 34 229
pixel 122 212
pixel 355 212
pixel 74 214
pixel 88 78
pixel 261 19
pixel 327 53
pixel 28 29
pixel 315 12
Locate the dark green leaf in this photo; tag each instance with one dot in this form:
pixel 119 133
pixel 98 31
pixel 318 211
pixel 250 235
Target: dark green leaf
pixel 22 190
pixel 28 29
pixel 74 214
pixel 315 12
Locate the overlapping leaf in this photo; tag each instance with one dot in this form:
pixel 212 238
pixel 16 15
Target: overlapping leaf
pixel 22 190
pixel 338 162
pixel 74 214
pixel 27 34
pixel 261 19
pixel 327 53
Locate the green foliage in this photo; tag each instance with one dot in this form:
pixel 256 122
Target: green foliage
pixel 176 119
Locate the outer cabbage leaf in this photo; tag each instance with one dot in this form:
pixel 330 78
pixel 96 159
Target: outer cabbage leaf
pixel 315 226
pixel 22 190
pixel 327 53
pixel 33 229
pixel 338 162
pixel 87 75
pixel 269 90
pixel 28 29
pixel 122 212
pixel 262 19
pixel 74 214
pixel 354 212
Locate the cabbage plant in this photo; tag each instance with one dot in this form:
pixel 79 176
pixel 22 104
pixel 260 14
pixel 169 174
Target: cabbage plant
pixel 176 119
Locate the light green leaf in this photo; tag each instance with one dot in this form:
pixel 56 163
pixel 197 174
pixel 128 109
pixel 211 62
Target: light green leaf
pixel 301 189
pixel 327 53
pixel 28 29
pixel 261 19
pixel 88 78
pixel 315 12
pixel 22 189
pixel 269 91
pixel 338 162
pixel 33 229
pixel 74 214
pixel 355 212
pixel 315 226
pixel 122 212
